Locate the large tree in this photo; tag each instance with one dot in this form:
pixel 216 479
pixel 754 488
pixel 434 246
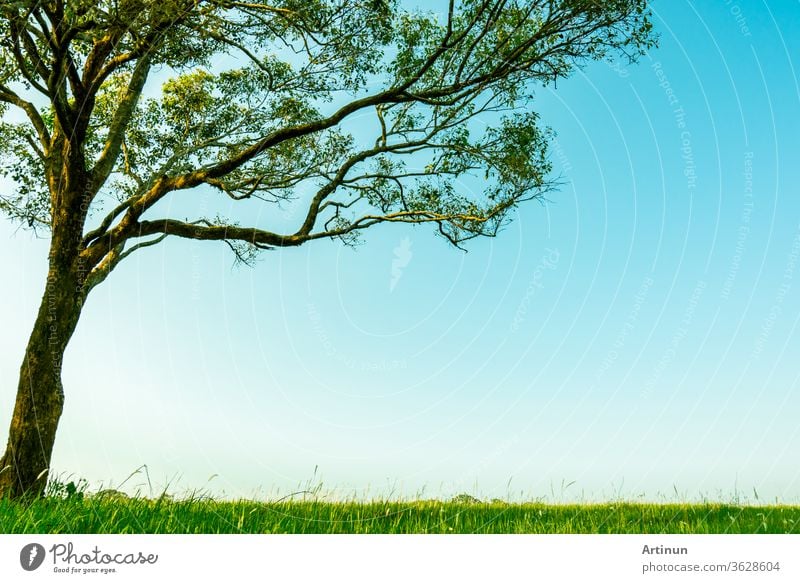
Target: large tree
pixel 112 106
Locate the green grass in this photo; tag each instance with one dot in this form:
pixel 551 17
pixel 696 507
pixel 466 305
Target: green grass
pixel 141 515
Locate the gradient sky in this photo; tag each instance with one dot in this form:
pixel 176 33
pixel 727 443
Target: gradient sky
pixel 634 336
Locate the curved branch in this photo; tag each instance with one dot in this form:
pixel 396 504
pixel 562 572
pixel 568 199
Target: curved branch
pixel 10 97
pixel 116 131
pixel 215 233
pixel 111 260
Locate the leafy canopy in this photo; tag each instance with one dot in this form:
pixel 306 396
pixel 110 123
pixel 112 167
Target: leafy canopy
pixel 111 106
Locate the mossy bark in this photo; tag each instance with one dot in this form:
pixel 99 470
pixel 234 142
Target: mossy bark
pixel 24 467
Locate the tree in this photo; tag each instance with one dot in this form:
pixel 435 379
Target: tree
pixel 111 107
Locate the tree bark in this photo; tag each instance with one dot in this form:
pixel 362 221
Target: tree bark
pixel 25 466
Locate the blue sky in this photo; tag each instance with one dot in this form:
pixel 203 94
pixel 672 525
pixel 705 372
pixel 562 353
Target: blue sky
pixel 636 335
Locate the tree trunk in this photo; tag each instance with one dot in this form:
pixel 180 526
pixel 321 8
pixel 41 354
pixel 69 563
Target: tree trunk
pixel 25 465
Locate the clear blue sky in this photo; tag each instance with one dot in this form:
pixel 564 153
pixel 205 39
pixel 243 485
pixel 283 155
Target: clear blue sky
pixel 635 335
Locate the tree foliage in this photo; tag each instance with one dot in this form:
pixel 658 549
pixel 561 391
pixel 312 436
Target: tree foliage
pixel 112 106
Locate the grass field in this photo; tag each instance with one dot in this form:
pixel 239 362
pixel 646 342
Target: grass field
pixel 142 515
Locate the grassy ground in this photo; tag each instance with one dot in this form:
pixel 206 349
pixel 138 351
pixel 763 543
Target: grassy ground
pixel 94 515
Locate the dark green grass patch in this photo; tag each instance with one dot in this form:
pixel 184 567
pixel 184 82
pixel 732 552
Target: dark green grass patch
pixel 141 515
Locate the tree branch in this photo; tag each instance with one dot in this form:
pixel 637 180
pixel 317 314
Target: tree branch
pixel 116 131
pixel 9 96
